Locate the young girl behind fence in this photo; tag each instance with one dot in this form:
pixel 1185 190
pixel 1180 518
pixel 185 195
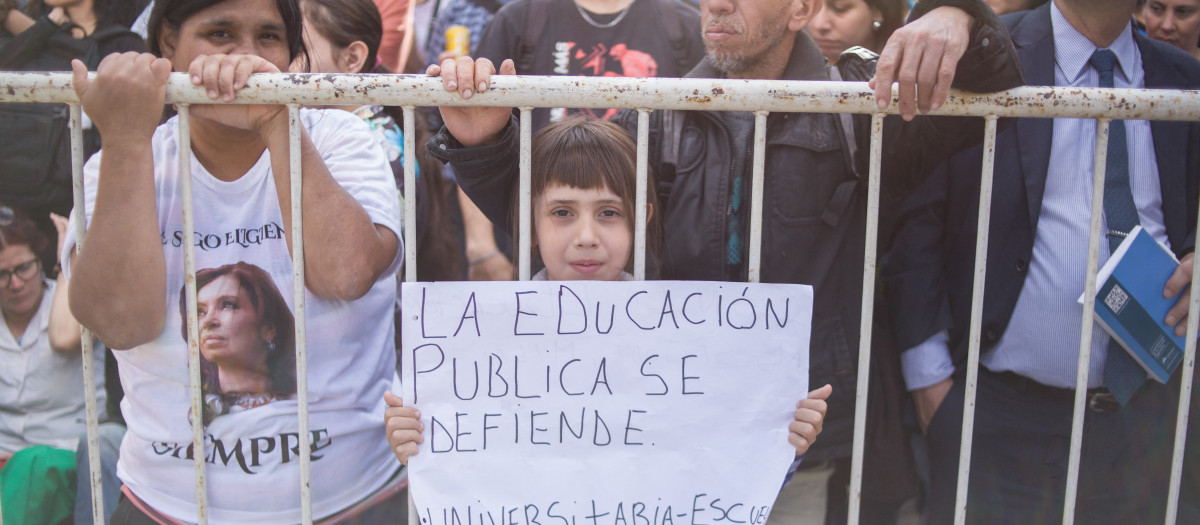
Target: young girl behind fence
pixel 583 182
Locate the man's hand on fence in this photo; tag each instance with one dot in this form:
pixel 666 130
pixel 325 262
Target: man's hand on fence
pixel 1181 280
pixel 404 427
pixel 472 126
pixel 125 99
pixel 922 57
pixel 928 399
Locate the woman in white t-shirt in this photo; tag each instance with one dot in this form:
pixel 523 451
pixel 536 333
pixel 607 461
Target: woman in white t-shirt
pixel 42 408
pixel 130 270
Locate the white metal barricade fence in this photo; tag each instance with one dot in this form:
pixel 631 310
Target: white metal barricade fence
pixel 645 95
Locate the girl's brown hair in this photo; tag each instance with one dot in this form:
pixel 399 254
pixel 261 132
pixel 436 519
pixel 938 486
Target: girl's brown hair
pixel 344 22
pixel 591 154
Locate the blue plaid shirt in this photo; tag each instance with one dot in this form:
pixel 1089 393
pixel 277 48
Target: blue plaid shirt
pixel 461 13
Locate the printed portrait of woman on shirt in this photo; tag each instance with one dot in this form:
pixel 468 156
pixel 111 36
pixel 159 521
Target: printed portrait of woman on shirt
pixel 247 355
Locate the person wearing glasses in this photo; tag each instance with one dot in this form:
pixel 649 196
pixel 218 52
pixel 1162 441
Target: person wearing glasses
pixel 41 378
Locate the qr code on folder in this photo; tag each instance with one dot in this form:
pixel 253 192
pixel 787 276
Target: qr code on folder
pixel 1116 299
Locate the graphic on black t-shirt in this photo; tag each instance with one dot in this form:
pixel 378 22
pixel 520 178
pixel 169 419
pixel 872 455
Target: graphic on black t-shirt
pixel 649 39
pixel 600 60
pixel 620 61
pixel 247 339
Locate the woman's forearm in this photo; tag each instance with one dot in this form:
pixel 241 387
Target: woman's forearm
pixel 344 251
pixel 118 281
pixel 63 329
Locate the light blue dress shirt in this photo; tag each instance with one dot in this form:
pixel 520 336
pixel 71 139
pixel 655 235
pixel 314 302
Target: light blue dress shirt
pixel 1042 338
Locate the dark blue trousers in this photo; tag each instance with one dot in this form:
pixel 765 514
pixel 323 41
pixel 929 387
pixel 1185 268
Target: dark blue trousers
pixel 1021 448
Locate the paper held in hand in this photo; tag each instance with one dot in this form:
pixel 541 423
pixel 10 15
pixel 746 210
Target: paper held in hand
pixel 1130 304
pixel 581 403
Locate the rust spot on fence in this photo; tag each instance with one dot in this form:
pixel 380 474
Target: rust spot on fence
pixel 718 91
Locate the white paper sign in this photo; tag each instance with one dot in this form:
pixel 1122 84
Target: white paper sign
pixel 582 403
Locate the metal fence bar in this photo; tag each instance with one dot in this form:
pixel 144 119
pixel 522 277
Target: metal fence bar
pixel 657 93
pixel 1089 305
pixel 867 317
pixel 972 379
pixel 297 183
pixel 410 234
pixel 754 259
pixel 524 218
pixel 193 324
pixel 685 94
pixel 1185 395
pixel 410 195
pixel 639 221
pixel 88 350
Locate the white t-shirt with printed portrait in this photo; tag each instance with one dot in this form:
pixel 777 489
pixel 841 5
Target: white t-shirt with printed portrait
pixel 253 466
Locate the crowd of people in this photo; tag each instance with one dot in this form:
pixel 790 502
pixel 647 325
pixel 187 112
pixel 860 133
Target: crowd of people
pixel 127 282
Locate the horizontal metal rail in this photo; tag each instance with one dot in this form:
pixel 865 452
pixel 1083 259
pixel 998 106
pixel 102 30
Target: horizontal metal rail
pixel 646 95
pixel 657 93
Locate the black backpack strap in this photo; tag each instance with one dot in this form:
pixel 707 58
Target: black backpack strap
pixel 847 127
pixel 535 20
pixel 844 193
pixel 676 33
pixel 672 135
pixel 852 65
pixel 856 64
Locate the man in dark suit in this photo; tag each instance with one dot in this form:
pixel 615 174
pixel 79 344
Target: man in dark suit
pixel 1037 257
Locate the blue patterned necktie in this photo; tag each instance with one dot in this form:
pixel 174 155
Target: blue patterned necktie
pixel 1122 375
pixel 733 250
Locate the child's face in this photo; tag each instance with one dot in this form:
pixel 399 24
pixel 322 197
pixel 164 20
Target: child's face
pixel 582 234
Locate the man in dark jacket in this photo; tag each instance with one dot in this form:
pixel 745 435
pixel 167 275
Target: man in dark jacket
pixel 814 220
pixel 1037 264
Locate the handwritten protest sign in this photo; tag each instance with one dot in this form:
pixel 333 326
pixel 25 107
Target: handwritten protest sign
pixel 579 403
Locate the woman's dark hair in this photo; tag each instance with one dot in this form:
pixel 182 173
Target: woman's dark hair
pixel 272 312
pixel 893 13
pixel 441 253
pixel 440 257
pixel 344 22
pixel 587 154
pixel 18 229
pixel 171 14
